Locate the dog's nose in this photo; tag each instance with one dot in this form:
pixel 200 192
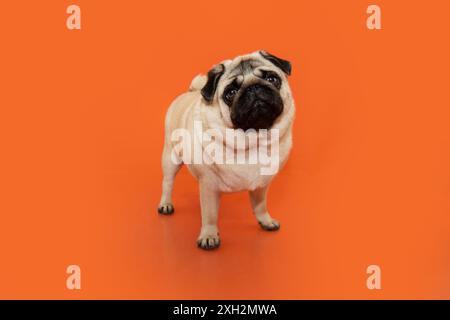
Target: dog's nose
pixel 255 88
pixel 259 104
pixel 257 91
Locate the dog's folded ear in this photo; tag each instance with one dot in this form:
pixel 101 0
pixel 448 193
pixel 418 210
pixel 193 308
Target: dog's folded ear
pixel 284 65
pixel 210 87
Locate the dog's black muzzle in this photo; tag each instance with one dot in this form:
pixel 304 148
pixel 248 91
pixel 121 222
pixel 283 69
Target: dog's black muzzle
pixel 257 108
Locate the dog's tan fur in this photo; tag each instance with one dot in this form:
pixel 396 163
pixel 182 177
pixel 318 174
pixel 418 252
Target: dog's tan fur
pixel 217 178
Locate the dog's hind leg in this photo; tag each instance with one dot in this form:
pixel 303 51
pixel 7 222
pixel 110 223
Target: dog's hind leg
pixel 170 170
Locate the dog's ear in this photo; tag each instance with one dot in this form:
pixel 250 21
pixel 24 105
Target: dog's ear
pixel 280 63
pixel 209 89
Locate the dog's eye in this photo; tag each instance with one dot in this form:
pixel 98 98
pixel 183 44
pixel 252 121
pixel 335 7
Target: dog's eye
pixel 273 79
pixel 229 95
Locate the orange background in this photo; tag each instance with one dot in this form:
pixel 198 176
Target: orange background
pixel 81 129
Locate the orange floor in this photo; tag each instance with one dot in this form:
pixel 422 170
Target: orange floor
pixel 82 130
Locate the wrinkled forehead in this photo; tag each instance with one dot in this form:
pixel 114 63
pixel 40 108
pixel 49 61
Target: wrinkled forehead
pixel 244 66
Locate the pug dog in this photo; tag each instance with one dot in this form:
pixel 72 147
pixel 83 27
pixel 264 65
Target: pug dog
pixel 249 93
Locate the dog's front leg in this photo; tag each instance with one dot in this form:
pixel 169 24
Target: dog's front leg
pixel 259 206
pixel 209 202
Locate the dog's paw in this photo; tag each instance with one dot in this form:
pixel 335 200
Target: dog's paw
pixel 208 241
pixel 166 209
pixel 270 225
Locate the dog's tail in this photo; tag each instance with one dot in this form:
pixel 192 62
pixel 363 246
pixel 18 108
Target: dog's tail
pixel 198 83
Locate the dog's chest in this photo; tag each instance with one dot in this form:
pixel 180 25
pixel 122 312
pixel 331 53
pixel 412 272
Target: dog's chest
pixel 233 178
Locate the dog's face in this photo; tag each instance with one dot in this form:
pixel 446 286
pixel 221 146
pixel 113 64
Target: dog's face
pixel 251 91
